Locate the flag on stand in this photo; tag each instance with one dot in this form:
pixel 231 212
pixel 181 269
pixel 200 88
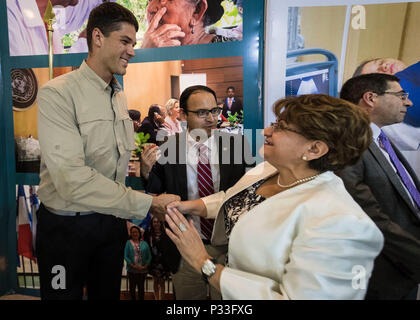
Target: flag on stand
pixel 34 201
pixel 25 247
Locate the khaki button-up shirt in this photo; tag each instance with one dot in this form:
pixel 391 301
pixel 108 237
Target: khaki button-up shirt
pixel 86 138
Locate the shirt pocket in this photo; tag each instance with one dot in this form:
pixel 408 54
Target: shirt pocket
pixel 128 134
pixel 97 134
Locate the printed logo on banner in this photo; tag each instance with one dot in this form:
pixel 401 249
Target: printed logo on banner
pixel 359 20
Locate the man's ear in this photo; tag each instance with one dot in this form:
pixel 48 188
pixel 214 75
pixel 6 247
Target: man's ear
pixel 200 10
pixel 97 38
pixel 369 99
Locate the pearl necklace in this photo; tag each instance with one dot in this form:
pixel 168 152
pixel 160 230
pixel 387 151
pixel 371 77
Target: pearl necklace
pixel 296 182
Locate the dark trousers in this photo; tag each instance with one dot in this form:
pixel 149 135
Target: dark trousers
pixel 136 280
pixel 79 251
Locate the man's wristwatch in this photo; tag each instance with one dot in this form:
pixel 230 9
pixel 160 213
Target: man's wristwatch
pixel 208 269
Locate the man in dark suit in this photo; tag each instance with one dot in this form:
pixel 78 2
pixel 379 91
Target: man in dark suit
pixel 231 103
pixel 153 122
pixel 386 187
pixel 178 172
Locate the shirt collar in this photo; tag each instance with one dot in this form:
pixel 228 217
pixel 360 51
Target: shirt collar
pixel 376 131
pixel 91 75
pixel 209 143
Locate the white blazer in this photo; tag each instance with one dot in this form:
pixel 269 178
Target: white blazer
pixel 312 241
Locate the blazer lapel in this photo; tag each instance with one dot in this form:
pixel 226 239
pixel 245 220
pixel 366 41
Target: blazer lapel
pixel 392 176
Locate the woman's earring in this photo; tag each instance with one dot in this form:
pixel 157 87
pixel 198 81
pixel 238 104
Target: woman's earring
pixel 192 30
pixel 304 158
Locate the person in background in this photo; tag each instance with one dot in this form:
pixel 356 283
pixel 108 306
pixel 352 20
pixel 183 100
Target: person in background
pixel 231 103
pixel 172 119
pixel 405 135
pixel 294 232
pixel 153 123
pixel 386 187
pixel 135 115
pixel 154 236
pixel 138 258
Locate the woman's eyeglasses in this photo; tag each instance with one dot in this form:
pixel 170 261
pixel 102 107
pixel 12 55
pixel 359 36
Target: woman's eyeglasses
pixel 281 126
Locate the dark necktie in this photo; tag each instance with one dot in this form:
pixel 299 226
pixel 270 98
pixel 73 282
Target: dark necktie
pixel 205 186
pixel 386 145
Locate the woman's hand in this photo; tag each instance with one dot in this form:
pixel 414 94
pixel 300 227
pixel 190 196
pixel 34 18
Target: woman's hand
pixel 166 35
pixel 193 207
pixel 148 158
pixel 186 239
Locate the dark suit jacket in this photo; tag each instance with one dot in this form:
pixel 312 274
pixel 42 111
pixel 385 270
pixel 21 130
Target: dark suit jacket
pixel 374 184
pixel 150 127
pixel 236 107
pixel 172 178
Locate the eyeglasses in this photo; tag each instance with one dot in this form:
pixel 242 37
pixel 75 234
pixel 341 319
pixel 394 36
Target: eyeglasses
pixel 402 94
pixel 280 126
pixel 204 113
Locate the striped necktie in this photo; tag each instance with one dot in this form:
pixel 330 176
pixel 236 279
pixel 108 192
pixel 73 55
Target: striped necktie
pixel 205 186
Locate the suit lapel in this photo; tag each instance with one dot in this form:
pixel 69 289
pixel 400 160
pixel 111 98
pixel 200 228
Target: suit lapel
pixel 180 170
pixel 392 176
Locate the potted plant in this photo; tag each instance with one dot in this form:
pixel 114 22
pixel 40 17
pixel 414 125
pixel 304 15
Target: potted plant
pixel 140 140
pixel 233 119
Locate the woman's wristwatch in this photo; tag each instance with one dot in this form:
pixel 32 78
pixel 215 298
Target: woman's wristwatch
pixel 208 269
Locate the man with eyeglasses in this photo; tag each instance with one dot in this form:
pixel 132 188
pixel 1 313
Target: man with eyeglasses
pixel 406 134
pixel 206 161
pixel 386 187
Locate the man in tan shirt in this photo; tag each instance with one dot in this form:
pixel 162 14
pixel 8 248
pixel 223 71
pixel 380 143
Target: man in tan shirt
pixel 86 138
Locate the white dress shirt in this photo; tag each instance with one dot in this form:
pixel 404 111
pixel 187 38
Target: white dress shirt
pixel 192 161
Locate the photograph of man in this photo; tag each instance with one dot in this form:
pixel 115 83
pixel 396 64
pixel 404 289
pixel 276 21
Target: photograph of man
pixel 386 187
pixel 200 168
pixel 231 103
pixel 86 138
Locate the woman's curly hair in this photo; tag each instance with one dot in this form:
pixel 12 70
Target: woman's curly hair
pixel 343 126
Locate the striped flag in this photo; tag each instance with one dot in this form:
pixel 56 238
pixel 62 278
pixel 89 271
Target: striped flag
pixel 25 247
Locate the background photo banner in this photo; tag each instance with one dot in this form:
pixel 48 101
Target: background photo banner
pixel 161 23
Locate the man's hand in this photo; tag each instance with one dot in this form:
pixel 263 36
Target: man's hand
pixel 148 158
pixel 166 35
pixel 159 203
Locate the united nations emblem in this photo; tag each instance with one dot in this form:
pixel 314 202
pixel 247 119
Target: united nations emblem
pixel 24 89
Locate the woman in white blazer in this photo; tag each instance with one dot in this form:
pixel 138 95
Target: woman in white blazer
pixel 293 230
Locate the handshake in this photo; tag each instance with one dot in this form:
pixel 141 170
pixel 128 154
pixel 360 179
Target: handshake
pixel 160 203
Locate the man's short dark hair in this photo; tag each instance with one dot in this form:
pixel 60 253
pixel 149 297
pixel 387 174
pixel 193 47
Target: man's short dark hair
pixel 152 109
pixel 185 95
pixel 134 114
pixel 230 87
pixel 354 89
pixel 108 17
